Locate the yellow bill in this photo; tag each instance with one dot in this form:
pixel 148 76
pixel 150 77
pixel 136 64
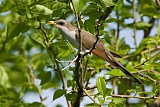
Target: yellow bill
pixel 51 23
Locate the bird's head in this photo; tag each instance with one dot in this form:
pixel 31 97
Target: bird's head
pixel 62 24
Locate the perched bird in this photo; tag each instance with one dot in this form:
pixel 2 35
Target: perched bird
pixel 70 33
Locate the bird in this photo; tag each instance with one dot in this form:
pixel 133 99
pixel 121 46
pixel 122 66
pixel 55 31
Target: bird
pixel 71 33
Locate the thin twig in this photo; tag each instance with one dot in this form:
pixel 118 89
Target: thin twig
pixel 151 49
pixel 117 31
pixel 31 74
pixel 146 60
pixel 70 63
pixel 57 63
pixel 84 90
pixel 85 71
pixel 34 82
pixel 78 26
pixel 107 11
pixel 155 81
pixel 79 66
pixel 97 35
pixel 128 96
pixel 117 43
pixel 158 3
pixel 94 86
pixel 91 87
pixel 134 23
pixel 144 51
pixel 63 61
pixel 148 30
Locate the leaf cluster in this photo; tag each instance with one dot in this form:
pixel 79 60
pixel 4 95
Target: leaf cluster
pixel 33 54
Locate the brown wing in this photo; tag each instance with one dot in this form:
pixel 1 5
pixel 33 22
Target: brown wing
pixel 88 41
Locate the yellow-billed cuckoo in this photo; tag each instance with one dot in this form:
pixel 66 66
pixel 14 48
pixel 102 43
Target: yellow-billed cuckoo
pixel 70 33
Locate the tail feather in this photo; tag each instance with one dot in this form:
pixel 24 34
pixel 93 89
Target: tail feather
pixel 125 71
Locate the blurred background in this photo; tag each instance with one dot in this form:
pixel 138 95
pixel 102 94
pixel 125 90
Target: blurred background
pixel 30 74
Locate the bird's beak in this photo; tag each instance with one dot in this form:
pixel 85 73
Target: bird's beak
pixel 51 23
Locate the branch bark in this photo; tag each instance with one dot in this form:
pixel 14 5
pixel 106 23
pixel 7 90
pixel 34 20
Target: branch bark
pixel 57 63
pixel 128 96
pixel 147 31
pixel 79 66
pixel 134 23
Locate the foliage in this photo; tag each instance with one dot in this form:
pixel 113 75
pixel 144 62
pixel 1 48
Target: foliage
pixel 32 51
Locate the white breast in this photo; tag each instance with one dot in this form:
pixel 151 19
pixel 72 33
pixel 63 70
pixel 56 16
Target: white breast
pixel 70 36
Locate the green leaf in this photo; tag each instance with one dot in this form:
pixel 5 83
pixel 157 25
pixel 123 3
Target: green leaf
pixel 45 77
pixel 14 29
pixel 6 6
pixel 35 104
pixel 36 38
pixel 149 101
pixel 118 101
pixel 4 79
pixel 41 9
pixel 141 46
pixel 79 4
pixel 101 86
pixel 92 8
pixel 131 69
pixel 92 105
pixel 150 10
pixel 108 91
pixel 123 47
pixel 119 5
pixel 50 84
pixel 61 44
pixel 143 25
pixel 90 25
pixel 116 72
pixel 112 104
pixel 149 93
pixel 88 75
pixel 58 93
pixel 111 20
pixel 71 83
pixel 71 96
pixel 123 87
pixel 158 87
pixel 36 62
pixel 101 99
pixel 59 8
pixel 107 3
pixel 63 53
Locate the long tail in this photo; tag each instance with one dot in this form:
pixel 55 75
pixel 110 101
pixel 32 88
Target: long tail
pixel 125 71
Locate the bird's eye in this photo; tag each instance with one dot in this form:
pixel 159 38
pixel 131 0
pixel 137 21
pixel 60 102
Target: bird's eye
pixel 61 23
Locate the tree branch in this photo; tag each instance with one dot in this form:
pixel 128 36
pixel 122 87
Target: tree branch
pixel 34 82
pixel 134 23
pixel 107 12
pixel 155 81
pixel 84 90
pixel 79 66
pixel 144 51
pixel 57 63
pixel 128 96
pixel 148 30
pixel 146 60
